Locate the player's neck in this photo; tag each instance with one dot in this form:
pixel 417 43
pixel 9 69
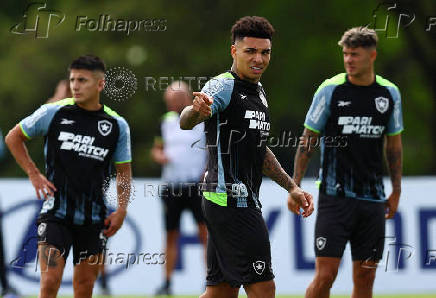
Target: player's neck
pixel 365 79
pixel 90 105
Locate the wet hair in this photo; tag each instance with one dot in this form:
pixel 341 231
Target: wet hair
pixel 88 62
pixel 359 37
pixel 251 26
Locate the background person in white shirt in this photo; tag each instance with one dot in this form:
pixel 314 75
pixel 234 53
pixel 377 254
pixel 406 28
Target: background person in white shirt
pixel 183 158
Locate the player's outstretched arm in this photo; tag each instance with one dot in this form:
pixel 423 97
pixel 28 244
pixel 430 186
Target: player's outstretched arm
pixel 297 198
pixel 15 141
pixel 394 157
pixel 124 179
pixel 305 149
pixel 199 111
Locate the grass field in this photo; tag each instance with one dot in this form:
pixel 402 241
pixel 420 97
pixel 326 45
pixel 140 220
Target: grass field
pixel 280 296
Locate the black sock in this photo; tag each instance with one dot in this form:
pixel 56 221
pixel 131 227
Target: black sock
pixel 167 283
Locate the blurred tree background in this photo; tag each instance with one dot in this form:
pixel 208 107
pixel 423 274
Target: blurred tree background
pixel 196 43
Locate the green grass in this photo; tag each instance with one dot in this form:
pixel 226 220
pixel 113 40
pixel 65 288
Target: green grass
pixel 280 296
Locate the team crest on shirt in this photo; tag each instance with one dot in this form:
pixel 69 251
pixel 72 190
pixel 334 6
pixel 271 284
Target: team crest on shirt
pixel 104 127
pixel 321 242
pixel 259 267
pixel 382 104
pixel 41 229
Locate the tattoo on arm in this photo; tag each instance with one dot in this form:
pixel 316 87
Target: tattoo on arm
pixel 189 118
pixel 394 159
pixel 273 169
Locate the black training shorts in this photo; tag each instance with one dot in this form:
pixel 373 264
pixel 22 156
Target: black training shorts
pixel 238 247
pixel 342 219
pixel 87 240
pixel 178 197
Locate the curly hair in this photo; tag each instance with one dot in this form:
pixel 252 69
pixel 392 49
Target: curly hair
pixel 251 26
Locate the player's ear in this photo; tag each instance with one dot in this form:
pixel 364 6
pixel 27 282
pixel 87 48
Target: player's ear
pixel 101 83
pixel 373 54
pixel 233 51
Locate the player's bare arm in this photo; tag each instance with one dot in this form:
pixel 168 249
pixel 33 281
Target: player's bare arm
pixel 199 111
pixel 305 150
pixel 297 198
pixel 394 157
pixel 15 140
pixel 115 220
pixel 158 153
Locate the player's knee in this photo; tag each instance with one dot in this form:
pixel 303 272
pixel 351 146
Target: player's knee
pixel 325 279
pixel 364 278
pixel 265 289
pixel 83 286
pixel 85 281
pixel 269 289
pixel 50 284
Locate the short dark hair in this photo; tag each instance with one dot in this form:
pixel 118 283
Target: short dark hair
pixel 89 62
pixel 359 37
pixel 252 26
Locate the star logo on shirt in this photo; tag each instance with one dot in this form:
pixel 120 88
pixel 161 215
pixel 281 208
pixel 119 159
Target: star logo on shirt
pixel 104 127
pixel 243 96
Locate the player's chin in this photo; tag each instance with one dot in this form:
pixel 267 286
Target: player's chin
pixel 80 99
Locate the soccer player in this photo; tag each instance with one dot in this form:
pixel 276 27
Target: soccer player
pixel 354 112
pixel 183 156
pixel 235 110
pixel 82 139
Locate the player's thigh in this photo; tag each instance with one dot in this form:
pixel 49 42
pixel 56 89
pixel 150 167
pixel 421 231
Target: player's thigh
pixel 333 225
pixel 89 243
pixel 264 289
pixel 367 241
pixel 222 290
pixel 52 264
pixel 54 243
pixel 364 272
pixel 86 271
pixel 326 268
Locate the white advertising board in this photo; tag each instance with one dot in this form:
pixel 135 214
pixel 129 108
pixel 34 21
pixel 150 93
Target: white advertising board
pixel 408 265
